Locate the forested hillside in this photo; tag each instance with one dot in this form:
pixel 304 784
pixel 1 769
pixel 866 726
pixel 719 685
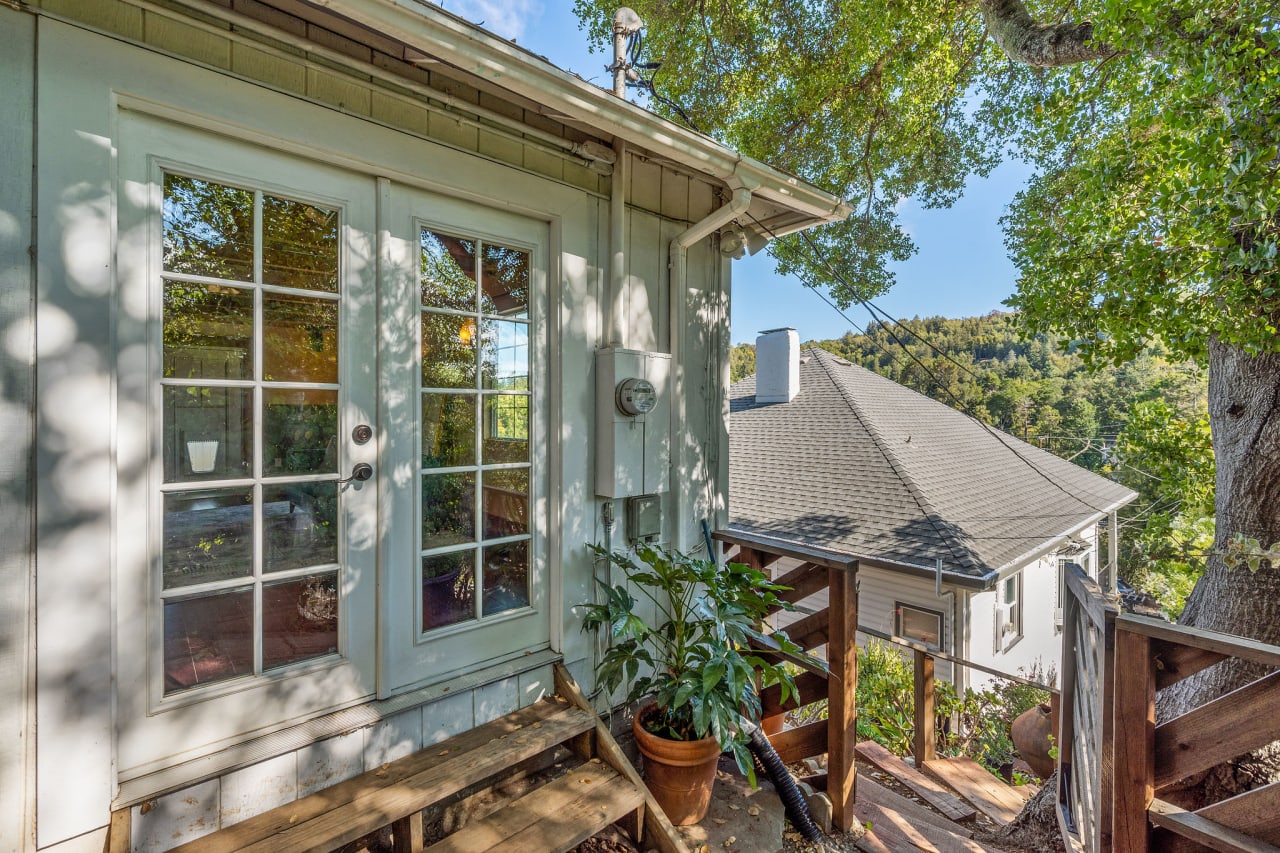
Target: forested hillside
pixel 1143 423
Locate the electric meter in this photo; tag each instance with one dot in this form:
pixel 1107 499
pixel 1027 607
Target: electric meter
pixel 635 396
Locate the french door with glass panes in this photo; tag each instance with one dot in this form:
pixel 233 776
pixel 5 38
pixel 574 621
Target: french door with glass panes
pixel 286 345
pixel 247 280
pixel 465 446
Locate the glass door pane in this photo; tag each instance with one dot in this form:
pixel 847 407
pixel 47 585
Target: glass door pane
pixel 250 423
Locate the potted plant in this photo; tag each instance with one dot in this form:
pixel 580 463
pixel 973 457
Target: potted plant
pixel 695 660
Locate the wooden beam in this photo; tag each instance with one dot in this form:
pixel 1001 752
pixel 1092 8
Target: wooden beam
pixel 120 831
pixel 1202 831
pixel 811 686
pixel 1135 718
pixel 755 558
pixel 1255 812
pixel 928 790
pixel 821 556
pixel 975 783
pixel 1175 661
pixel 871 791
pixel 811 631
pixel 1091 597
pixel 804 581
pixel 406 834
pixel 802 742
pixel 1226 644
pixel 842 686
pixel 1217 731
pixel 923 742
pixel 1106 761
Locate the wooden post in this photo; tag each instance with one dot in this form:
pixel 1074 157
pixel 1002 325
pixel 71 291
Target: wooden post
pixel 842 713
pixel 406 834
pixel 1106 760
pixel 923 740
pixel 1134 745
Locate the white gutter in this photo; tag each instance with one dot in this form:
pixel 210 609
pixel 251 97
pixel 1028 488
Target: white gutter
pixel 426 27
pixel 1051 544
pixel 679 254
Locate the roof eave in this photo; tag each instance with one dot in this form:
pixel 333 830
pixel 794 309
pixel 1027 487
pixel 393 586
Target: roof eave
pixel 1051 544
pixel 803 550
pixel 452 40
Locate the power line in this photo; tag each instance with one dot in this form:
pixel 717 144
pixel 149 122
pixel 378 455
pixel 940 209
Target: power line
pixel 960 404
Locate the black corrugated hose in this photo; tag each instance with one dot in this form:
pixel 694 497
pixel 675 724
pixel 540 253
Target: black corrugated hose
pixel 792 800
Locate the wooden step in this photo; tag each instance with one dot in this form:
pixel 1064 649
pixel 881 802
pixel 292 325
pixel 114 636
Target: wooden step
pixel 893 831
pixel 871 791
pixel 554 818
pixel 985 791
pixel 352 809
pixel 930 791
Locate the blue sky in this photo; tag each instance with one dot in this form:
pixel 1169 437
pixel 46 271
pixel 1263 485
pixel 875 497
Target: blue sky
pixel 960 268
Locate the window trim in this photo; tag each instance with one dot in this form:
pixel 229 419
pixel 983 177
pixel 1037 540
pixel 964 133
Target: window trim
pixel 897 624
pixel 1004 641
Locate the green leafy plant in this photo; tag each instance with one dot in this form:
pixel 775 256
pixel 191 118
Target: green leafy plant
pixel 975 723
pixel 702 657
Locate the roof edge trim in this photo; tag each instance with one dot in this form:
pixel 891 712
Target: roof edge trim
pixel 471 49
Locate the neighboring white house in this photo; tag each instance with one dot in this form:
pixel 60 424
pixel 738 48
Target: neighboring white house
pixel 303 311
pixel 960 531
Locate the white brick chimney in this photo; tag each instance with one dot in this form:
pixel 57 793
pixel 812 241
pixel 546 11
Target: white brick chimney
pixel 777 366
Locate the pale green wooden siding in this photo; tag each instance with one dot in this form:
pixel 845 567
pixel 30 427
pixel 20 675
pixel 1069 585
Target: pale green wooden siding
pixel 17 501
pixel 320 79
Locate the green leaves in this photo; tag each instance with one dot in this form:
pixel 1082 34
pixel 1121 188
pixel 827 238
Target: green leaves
pixel 694 653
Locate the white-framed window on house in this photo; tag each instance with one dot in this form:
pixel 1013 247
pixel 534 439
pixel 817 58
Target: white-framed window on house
pixel 918 624
pixel 1060 593
pixel 475 393
pixel 1008 621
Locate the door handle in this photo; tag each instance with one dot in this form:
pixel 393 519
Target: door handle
pixel 360 472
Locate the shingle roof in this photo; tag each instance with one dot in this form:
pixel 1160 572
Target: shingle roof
pixel 859 464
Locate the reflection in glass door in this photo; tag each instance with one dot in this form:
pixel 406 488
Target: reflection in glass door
pixel 250 396
pixel 475 428
pixel 462 360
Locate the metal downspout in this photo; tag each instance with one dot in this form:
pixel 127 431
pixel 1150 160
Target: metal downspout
pixel 679 252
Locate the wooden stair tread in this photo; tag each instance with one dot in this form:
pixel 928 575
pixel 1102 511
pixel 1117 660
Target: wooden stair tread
pixel 556 817
pixel 894 831
pixel 988 794
pixel 872 792
pixel 365 803
pixel 930 791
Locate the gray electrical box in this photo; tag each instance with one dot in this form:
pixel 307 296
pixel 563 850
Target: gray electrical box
pixel 644 518
pixel 633 423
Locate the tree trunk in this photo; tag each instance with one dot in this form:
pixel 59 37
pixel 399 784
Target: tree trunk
pixel 1244 413
pixel 1036 826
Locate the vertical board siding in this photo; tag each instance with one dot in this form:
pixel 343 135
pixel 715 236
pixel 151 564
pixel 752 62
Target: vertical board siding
pixel 878 592
pixel 646 283
pixel 17 499
pixel 74 453
pixel 283 67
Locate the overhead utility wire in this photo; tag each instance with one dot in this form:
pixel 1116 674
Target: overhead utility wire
pixel 960 404
pixel 635 44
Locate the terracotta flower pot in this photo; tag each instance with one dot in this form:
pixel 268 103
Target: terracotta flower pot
pixel 1032 734
pixel 679 773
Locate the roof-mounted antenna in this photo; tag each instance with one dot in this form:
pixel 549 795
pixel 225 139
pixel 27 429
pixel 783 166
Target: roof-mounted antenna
pixel 626 23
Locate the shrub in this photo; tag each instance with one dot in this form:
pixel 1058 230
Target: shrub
pixel 975 724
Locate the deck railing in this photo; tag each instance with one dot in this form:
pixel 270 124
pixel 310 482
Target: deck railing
pixel 834 627
pixel 1116 762
pixel 1085 739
